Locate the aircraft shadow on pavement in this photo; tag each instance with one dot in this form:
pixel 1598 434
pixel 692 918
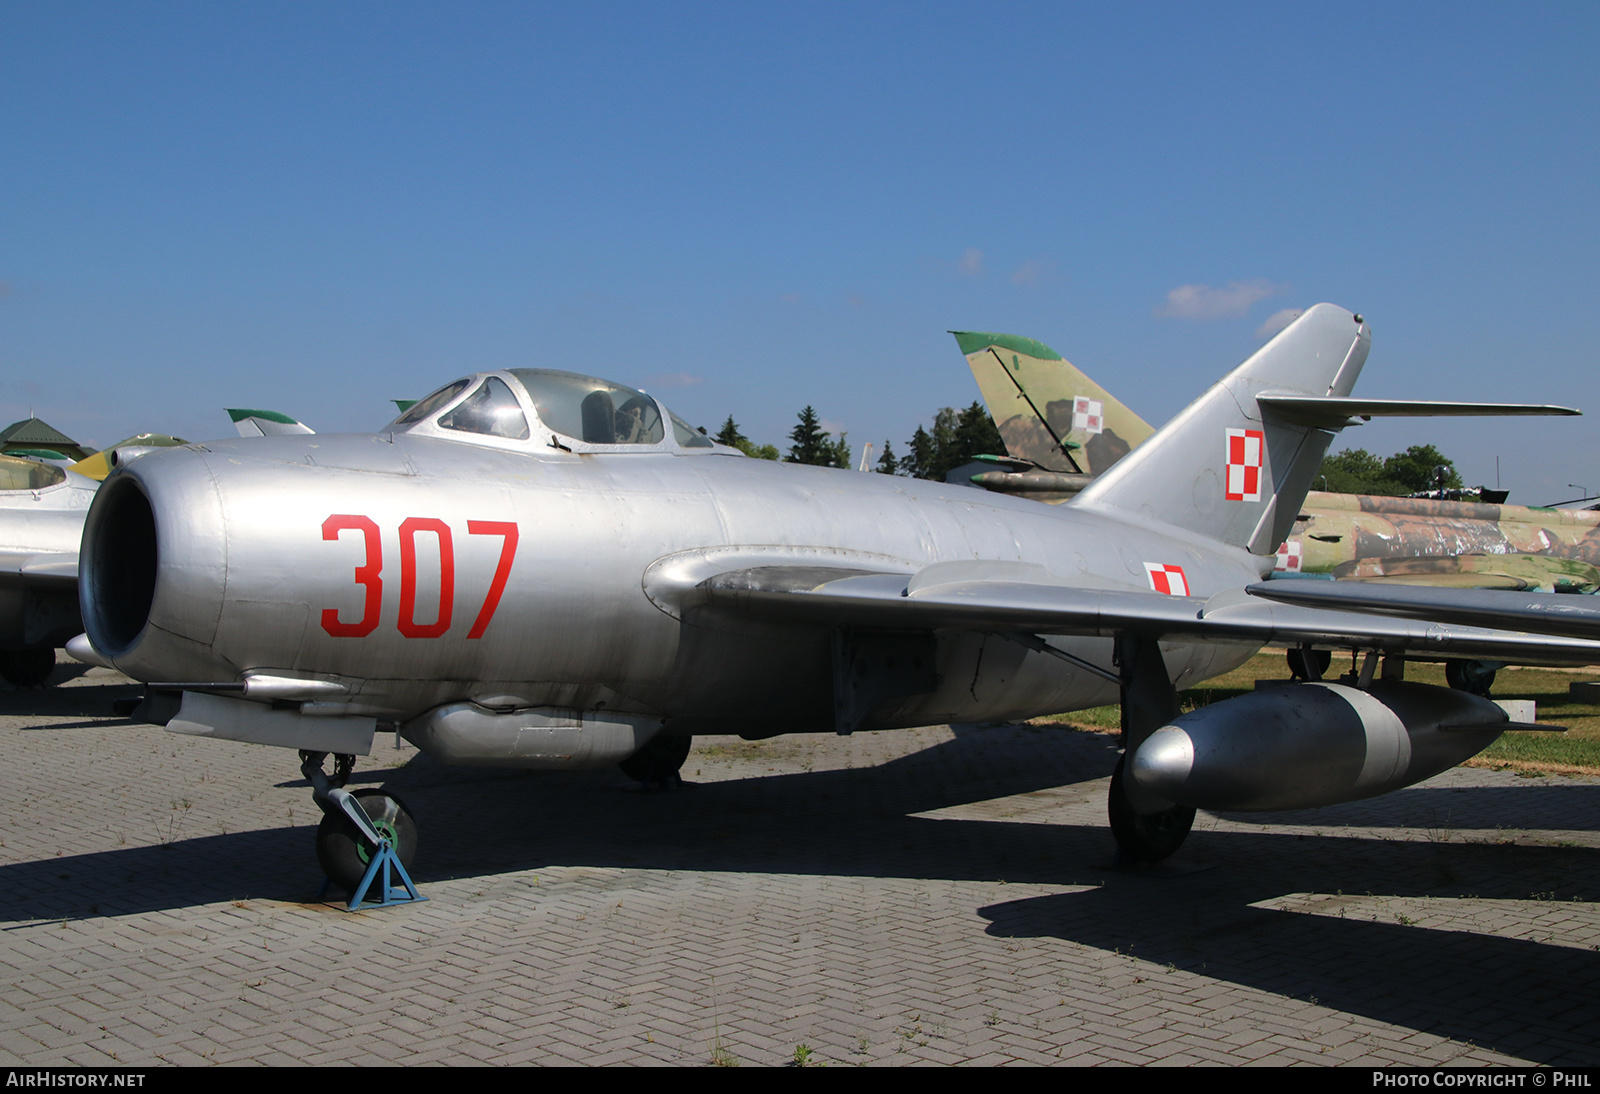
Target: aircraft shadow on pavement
pixel 1523 997
pixel 1516 996
pixel 88 703
pixel 1554 803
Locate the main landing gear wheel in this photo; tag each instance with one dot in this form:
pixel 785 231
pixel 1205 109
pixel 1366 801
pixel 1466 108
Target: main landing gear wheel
pixel 657 763
pixel 27 668
pixel 344 853
pixel 1473 677
pixel 1146 837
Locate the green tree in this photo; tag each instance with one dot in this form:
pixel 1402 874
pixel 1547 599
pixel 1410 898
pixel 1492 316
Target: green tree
pixel 1422 467
pixel 887 464
pixel 729 434
pixel 944 443
pixel 839 451
pixel 976 434
pixel 1357 471
pixel 919 458
pixel 955 439
pixel 810 445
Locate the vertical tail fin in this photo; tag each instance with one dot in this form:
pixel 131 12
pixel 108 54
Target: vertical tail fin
pixel 265 423
pixel 1046 410
pixel 1229 469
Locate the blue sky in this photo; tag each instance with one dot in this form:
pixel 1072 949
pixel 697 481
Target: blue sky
pixel 749 207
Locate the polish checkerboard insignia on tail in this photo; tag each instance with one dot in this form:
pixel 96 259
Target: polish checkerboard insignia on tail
pixel 1244 464
pixel 1088 415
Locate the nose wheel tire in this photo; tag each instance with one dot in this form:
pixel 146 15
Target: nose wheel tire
pixel 343 852
pixel 1146 837
pixel 657 763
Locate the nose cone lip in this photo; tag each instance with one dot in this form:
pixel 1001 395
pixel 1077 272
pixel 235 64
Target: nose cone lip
pixel 1163 762
pixel 153 566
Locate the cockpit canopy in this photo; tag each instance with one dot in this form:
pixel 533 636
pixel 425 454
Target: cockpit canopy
pixel 17 473
pixel 546 407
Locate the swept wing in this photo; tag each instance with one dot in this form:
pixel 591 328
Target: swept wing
pixel 1002 598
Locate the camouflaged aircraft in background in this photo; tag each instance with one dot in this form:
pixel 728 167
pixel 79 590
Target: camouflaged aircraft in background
pixel 1061 429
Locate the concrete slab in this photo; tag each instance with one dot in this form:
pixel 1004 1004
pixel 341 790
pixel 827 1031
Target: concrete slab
pixel 941 895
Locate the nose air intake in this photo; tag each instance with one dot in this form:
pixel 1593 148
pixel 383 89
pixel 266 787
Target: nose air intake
pixel 117 578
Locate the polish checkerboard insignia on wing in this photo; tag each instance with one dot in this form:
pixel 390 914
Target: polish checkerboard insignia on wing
pixel 1244 464
pixel 1167 579
pixel 1291 556
pixel 1088 415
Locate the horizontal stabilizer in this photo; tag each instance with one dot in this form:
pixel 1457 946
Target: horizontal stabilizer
pixel 1541 613
pixel 1332 410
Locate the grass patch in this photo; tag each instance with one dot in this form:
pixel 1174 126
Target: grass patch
pixel 1576 751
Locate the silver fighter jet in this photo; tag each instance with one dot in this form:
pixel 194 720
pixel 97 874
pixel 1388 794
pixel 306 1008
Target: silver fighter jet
pixel 42 508
pixel 539 569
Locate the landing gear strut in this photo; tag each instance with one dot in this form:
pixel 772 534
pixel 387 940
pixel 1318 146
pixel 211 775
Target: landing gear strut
pixel 365 838
pixel 1146 828
pixel 1306 663
pixel 1473 677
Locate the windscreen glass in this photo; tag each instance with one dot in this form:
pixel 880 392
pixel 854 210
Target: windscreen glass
pixel 491 410
pixel 592 410
pixel 687 435
pixel 432 404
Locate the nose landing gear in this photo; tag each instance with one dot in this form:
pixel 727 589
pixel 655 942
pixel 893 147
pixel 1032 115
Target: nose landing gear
pixel 365 838
pixel 658 762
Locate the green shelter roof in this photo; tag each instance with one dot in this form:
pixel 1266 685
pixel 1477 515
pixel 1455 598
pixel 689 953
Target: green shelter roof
pixel 34 431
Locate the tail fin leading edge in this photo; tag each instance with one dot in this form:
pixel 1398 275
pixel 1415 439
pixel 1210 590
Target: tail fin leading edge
pixel 1229 468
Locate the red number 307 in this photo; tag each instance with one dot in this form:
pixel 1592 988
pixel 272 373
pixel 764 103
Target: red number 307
pixel 370 575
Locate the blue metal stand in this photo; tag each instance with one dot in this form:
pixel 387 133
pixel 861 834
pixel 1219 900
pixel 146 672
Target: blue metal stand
pixel 388 864
pixel 336 801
